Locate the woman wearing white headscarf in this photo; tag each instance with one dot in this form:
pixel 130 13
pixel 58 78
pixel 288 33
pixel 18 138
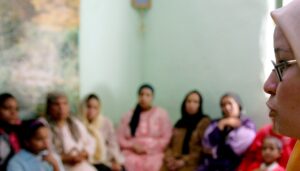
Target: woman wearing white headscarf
pixel 283 83
pixel 107 154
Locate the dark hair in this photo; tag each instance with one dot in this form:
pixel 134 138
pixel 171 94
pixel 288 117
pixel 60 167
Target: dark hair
pixel 188 121
pixel 4 97
pixel 148 86
pixel 134 122
pixel 28 130
pixel 92 96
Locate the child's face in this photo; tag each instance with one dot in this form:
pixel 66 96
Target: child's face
pixel 39 141
pixel 270 151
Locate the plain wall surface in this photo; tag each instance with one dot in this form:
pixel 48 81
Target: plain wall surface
pixel 110 54
pixel 213 46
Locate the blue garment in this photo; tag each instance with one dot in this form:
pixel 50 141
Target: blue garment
pixel 26 161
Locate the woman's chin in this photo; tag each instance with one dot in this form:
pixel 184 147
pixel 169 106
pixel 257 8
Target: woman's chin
pixel 286 131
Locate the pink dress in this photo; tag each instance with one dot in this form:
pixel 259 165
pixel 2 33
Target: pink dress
pixel 153 134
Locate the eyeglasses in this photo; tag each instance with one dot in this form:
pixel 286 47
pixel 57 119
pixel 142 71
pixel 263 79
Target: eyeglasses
pixel 279 68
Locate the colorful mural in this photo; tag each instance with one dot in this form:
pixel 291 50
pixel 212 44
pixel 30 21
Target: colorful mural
pixel 39 50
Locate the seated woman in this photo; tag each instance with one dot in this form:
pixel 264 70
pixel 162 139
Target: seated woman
pixel 253 157
pixel 9 123
pixel 185 150
pixel 35 154
pixel 226 139
pixel 70 138
pixel 144 134
pixel 107 155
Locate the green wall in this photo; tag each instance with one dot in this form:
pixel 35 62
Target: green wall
pixel 110 54
pixel 214 46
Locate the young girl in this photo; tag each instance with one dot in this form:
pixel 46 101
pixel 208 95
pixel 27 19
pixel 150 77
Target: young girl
pixel 271 153
pixel 34 155
pixel 253 157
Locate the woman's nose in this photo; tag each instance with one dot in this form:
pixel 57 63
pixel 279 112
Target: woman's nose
pixel 271 83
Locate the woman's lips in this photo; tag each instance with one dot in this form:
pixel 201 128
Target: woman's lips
pixel 272 112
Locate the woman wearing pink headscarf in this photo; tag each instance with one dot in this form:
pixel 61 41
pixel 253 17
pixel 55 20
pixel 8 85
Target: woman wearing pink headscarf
pixel 283 83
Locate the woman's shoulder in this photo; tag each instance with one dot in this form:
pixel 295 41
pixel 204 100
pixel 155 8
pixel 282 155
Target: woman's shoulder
pixel 105 120
pixel 215 121
pixel 245 118
pixel 21 157
pixel 203 124
pixel 127 115
pixel 206 118
pixel 246 121
pixel 77 122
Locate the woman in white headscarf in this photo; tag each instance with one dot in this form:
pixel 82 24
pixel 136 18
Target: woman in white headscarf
pixel 283 83
pixel 107 154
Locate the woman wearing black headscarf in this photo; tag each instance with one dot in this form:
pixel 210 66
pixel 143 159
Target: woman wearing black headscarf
pixel 144 133
pixel 184 150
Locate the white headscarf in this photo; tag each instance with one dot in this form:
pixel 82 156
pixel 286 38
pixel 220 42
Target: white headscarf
pixel 288 19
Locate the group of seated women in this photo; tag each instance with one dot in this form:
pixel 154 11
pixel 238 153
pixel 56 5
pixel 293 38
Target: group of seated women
pixel 145 139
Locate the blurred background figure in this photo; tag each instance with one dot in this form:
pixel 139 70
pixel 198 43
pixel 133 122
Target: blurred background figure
pixel 144 133
pixel 35 153
pixel 70 138
pixel 226 139
pixel 9 125
pixel 271 153
pixel 253 157
pixel 107 155
pixel 185 148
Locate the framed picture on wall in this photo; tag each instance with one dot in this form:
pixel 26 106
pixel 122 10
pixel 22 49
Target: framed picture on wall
pixel 141 4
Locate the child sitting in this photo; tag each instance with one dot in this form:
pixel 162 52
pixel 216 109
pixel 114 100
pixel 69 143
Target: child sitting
pixel 271 153
pixel 34 154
